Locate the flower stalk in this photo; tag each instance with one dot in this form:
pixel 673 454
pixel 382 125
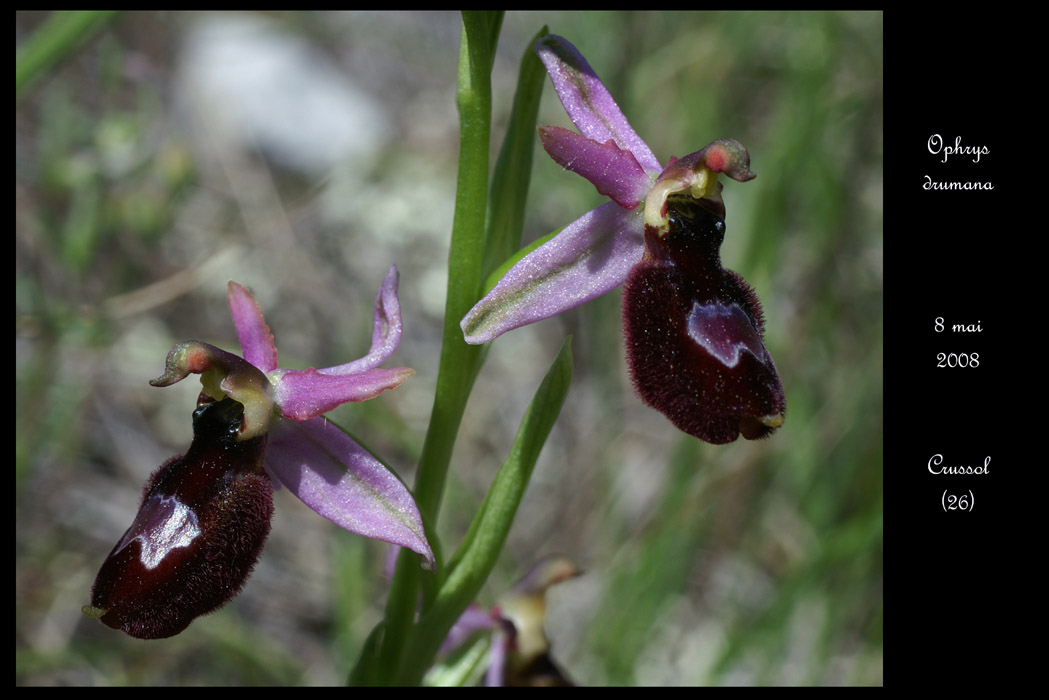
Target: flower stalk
pixel 487 228
pixel 459 362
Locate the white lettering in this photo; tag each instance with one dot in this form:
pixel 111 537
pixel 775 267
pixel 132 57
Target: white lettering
pixel 936 461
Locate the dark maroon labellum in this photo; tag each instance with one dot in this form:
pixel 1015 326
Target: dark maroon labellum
pixel 694 333
pixel 201 526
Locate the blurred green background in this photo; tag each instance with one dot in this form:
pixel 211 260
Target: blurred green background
pixel 303 153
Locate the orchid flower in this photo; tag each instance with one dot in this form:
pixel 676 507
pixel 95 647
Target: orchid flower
pixel 520 651
pixel 205 515
pixel 693 329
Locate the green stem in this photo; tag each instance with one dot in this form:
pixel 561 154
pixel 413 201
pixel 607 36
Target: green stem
pixel 458 366
pixel 459 362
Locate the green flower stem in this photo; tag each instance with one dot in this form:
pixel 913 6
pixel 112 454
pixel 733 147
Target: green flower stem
pixel 484 233
pixel 476 556
pixel 459 365
pixel 459 362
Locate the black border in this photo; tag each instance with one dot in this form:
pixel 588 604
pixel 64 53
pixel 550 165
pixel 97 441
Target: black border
pixel 959 585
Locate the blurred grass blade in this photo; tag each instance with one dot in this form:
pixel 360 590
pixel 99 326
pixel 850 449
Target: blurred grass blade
pixel 57 38
pixel 473 562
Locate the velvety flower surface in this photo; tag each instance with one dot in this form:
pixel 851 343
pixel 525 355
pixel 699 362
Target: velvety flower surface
pixel 205 515
pixel 203 521
pixel 693 329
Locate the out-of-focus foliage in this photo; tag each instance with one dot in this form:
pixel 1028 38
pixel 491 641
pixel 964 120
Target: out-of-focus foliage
pixel 144 182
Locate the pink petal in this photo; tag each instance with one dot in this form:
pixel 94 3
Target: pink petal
pixel 591 256
pixel 614 172
pixel 256 340
pixel 343 482
pixel 386 329
pixel 588 102
pixel 303 394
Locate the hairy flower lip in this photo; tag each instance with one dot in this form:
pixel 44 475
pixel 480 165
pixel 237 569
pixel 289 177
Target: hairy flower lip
pixel 202 522
pixel 694 334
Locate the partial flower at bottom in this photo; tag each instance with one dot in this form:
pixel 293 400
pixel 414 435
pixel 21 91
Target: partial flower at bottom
pixel 519 653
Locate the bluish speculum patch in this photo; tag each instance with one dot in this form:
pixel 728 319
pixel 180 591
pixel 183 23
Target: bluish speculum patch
pixel 164 523
pixel 724 331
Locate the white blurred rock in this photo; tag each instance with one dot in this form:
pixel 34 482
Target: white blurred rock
pixel 256 86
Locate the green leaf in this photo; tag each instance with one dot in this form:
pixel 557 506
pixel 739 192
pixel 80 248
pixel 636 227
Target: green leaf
pixel 513 169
